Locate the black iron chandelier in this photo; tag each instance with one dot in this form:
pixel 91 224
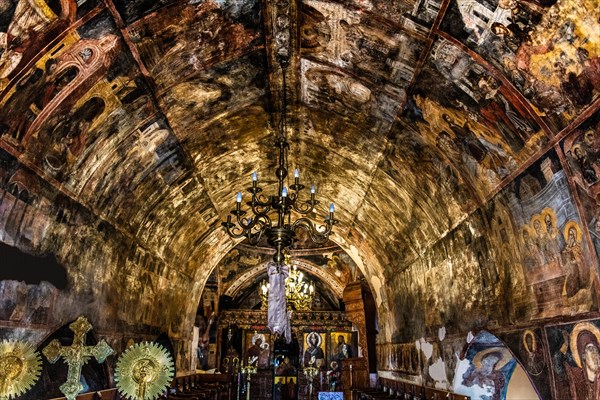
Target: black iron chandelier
pixel 271 216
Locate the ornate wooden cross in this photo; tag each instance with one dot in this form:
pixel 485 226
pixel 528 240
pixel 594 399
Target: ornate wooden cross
pixel 76 355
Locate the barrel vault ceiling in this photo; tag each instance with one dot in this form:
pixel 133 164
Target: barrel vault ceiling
pixel 143 118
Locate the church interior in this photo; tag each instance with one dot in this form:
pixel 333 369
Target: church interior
pixel 457 141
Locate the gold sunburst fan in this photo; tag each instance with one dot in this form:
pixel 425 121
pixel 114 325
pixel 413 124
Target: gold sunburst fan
pixel 143 371
pixel 20 367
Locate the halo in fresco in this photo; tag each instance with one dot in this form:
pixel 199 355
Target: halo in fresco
pixel 582 326
pixel 506 357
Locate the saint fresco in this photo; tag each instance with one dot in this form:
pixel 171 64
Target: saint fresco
pixel 548 49
pixel 576 359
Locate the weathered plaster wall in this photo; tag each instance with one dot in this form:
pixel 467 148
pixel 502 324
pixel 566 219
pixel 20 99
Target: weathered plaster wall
pixel 521 266
pixel 126 291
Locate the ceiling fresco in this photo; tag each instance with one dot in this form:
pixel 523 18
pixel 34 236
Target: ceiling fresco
pixel 459 141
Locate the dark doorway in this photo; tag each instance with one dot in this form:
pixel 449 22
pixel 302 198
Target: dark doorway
pixel 286 361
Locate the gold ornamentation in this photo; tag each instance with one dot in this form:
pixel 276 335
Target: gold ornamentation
pixel 76 355
pixel 20 367
pixel 143 371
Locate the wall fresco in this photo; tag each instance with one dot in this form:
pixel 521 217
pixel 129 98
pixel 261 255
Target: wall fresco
pixel 478 127
pixel 530 349
pixel 554 257
pixel 358 42
pixel 486 369
pixel 582 149
pixel 574 351
pixel 206 34
pixel 120 298
pixel 548 49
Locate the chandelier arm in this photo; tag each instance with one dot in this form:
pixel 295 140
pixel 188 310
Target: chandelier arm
pixel 245 223
pixel 303 207
pixel 262 222
pixel 235 231
pixel 260 210
pixel 318 234
pixel 261 201
pixel 254 238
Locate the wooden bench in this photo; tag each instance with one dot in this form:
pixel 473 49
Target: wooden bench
pixel 200 386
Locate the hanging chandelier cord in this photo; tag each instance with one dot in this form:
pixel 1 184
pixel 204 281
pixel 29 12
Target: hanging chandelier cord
pixel 280 234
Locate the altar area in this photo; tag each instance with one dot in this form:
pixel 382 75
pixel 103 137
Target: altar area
pixel 320 362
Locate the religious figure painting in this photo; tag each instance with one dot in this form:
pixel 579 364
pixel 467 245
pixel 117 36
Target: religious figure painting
pixel 207 33
pixel 547 49
pixel 341 346
pixel 258 350
pixel 359 43
pixel 582 151
pixel 26 27
pixel 283 366
pixel 285 387
pixel 575 350
pixel 554 259
pixel 480 131
pixel 338 92
pixel 530 349
pixel 314 349
pixel 486 369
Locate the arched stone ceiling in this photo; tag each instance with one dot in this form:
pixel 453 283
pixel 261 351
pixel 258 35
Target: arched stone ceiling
pixel 410 116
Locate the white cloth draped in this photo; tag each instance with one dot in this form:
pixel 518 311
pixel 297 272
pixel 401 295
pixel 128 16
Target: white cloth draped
pixel 277 314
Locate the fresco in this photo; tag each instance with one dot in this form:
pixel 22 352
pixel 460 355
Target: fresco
pixel 86 101
pixel 25 28
pixel 554 258
pixel 478 127
pixel 416 15
pixel 207 33
pixel 548 49
pixel 240 260
pixel 55 82
pixel 582 151
pixel 530 350
pixel 401 358
pixel 575 359
pixel 486 369
pixel 463 160
pixel 358 42
pixel 223 88
pixel 552 272
pixel 328 88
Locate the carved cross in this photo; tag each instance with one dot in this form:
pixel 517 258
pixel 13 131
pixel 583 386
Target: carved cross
pixel 76 355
